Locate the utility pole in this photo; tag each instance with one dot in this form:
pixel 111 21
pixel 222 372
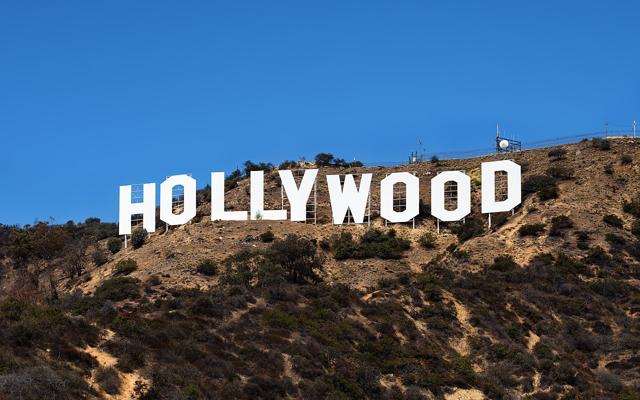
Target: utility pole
pixel 634 128
pixel 606 129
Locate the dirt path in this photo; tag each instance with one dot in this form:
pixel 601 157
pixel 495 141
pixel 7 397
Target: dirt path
pixel 128 381
pixel 461 345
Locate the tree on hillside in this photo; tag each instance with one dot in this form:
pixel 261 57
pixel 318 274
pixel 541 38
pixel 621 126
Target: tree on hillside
pixel 324 159
pixel 298 256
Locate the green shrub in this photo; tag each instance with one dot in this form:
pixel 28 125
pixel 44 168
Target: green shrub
pixel 138 238
pixel 267 237
pixel 626 159
pixel 427 240
pixel 99 257
pixel 207 267
pixel 559 223
pixel 117 289
pixel 613 220
pixel 114 245
pixel 602 144
pixel 279 319
pixel 125 267
pixel 531 229
pixel 373 243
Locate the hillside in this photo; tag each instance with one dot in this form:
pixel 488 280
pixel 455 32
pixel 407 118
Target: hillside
pixel 545 305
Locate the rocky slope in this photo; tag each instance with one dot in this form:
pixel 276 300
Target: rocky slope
pixel 544 305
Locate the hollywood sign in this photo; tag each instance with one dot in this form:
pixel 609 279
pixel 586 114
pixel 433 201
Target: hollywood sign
pixel 344 197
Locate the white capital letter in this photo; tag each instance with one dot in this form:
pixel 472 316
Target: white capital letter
pixel 217 201
pixel 189 199
pixel 463 208
pixel 349 197
pixel 514 190
pixel 147 208
pixel 257 200
pixel 412 197
pixel 298 197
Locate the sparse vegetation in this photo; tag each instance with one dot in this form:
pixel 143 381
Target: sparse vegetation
pixel 272 324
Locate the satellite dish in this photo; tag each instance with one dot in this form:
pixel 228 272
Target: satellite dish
pixel 504 143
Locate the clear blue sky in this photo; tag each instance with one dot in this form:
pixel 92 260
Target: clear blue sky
pixel 99 94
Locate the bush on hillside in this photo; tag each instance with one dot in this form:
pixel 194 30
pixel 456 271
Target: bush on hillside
pixel 608 169
pixel 560 223
pixel 251 166
pixel 531 229
pixel 635 227
pixel 632 207
pixel 372 244
pixel 231 181
pixel 108 379
pixel 557 154
pixel 298 256
pixel 99 257
pixel 207 267
pixel 560 172
pixel 545 186
pixel 125 267
pixel 626 159
pixel 471 227
pixel 138 238
pixel 324 159
pixel 504 263
pixel 267 237
pixel 288 164
pixel 613 220
pixel 114 245
pixel 602 144
pixel 427 240
pixel 117 289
